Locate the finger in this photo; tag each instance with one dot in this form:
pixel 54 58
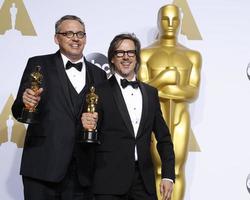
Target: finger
pixel 165 195
pixel 29 91
pixel 38 99
pixel 91 122
pixel 30 100
pixel 84 118
pixel 30 103
pixel 92 117
pixel 26 99
pixel 85 123
pixel 84 115
pixel 95 115
pixel 29 95
pixel 168 196
pixel 169 193
pixel 161 191
pixel 38 92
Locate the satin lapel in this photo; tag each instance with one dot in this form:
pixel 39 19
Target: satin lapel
pixel 88 83
pixel 64 81
pixel 121 103
pixel 145 108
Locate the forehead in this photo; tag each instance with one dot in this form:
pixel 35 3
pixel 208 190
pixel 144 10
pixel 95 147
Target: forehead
pixel 71 24
pixel 169 11
pixel 126 44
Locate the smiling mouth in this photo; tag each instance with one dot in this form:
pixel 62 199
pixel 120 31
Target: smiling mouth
pixel 126 64
pixel 75 46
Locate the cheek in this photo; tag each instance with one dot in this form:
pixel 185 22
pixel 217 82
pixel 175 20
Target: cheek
pixel 164 23
pixel 84 42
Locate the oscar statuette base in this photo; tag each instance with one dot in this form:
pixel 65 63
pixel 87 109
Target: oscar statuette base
pixel 89 136
pixel 28 117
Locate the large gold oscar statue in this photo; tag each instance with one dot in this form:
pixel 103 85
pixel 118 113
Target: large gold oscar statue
pixel 175 71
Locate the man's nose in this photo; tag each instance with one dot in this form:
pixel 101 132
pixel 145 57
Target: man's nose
pixel 125 56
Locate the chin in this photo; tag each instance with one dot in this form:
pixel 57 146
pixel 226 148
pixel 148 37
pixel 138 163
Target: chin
pixel 76 55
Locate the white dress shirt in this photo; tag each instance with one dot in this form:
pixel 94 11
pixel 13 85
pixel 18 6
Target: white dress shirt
pixel 77 78
pixel 133 99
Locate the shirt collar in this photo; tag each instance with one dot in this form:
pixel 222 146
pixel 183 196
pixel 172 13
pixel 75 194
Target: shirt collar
pixel 119 77
pixel 65 60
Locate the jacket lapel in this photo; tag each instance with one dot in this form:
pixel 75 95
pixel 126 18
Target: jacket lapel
pixel 89 82
pixel 145 107
pixel 64 81
pixel 121 103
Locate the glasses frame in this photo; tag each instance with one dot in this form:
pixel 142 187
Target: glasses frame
pixel 121 53
pixel 71 34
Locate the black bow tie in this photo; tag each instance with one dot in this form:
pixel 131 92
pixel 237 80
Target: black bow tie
pixel 125 83
pixel 78 66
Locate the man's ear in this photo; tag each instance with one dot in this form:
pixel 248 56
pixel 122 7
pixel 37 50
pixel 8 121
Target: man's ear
pixel 55 39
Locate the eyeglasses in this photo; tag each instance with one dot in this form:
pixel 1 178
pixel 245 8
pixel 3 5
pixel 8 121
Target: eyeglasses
pixel 121 53
pixel 70 34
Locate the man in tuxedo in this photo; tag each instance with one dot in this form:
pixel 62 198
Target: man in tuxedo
pixel 128 111
pixel 55 166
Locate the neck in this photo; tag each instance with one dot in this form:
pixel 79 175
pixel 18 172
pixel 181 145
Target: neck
pixel 72 58
pixel 129 77
pixel 166 41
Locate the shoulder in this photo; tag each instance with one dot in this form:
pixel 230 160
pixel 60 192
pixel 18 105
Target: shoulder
pixel 195 58
pixel 94 67
pixel 193 54
pixel 40 60
pixel 190 52
pixel 147 52
pixel 103 88
pixel 108 83
pixel 43 57
pixel 149 87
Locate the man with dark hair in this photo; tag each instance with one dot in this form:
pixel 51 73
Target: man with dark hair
pixel 128 112
pixel 54 165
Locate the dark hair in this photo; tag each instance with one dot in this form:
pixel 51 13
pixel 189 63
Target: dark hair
pixel 67 17
pixel 117 41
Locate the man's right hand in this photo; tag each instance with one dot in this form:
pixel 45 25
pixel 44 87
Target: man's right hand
pixel 89 120
pixel 32 98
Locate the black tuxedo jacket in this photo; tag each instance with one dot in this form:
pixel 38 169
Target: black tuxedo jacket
pixel 50 144
pixel 115 157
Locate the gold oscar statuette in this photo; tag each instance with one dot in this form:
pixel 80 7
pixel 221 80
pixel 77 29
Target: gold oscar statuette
pixel 90 135
pixel 29 114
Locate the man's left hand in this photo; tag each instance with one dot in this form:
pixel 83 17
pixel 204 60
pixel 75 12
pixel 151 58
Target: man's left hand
pixel 166 189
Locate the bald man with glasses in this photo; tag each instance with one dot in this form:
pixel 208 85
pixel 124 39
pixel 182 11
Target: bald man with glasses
pixel 55 166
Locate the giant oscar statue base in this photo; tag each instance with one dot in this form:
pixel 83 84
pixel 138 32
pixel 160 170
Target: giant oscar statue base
pixel 175 71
